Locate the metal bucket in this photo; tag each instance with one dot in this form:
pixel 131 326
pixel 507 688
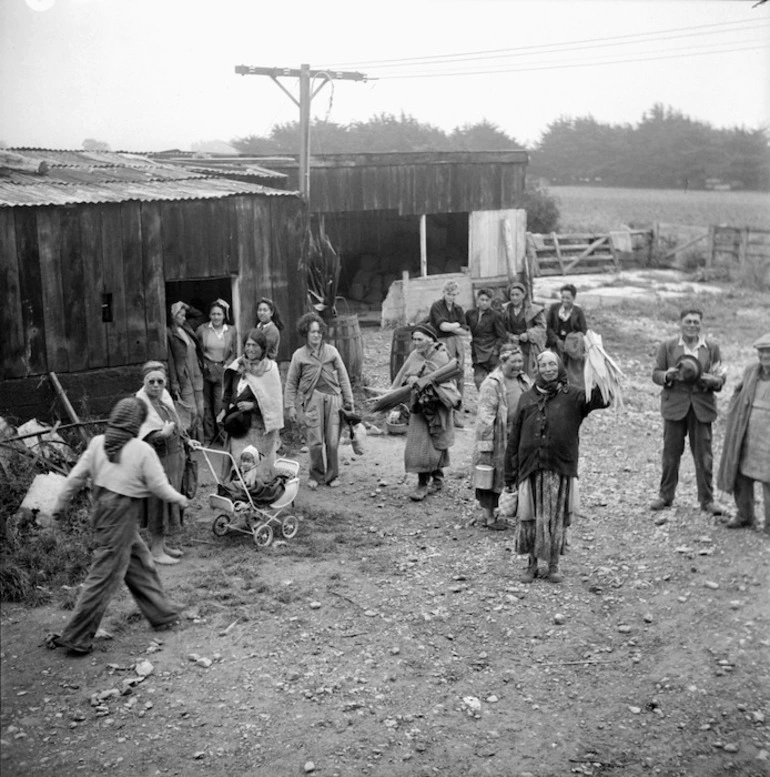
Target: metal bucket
pixel 483 476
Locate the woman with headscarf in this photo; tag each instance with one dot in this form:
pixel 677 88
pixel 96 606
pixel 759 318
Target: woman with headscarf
pixel 252 401
pixel 431 432
pixel 219 342
pixel 317 386
pixel 447 319
pixel 270 324
pixel 746 449
pixel 498 399
pixel 162 429
pixel 541 461
pixel 525 324
pixel 124 471
pixel 185 366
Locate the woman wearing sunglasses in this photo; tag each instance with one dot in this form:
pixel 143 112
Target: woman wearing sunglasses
pixel 162 429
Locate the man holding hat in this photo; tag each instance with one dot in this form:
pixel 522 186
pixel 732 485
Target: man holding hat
pixel 746 452
pixel 690 371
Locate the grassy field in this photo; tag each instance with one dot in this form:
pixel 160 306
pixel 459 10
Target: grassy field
pixel 588 208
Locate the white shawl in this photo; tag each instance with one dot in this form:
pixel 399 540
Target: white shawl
pixel 153 422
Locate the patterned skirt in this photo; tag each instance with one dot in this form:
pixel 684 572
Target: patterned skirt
pixel 547 502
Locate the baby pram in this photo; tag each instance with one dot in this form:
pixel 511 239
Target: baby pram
pixel 260 520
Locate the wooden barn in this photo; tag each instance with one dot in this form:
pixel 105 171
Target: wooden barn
pixel 95 246
pixel 423 213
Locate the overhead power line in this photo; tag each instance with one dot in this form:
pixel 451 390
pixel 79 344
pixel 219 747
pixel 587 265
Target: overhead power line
pixel 565 65
pixel 566 46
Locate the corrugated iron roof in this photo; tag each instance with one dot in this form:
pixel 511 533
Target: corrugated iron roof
pixel 73 177
pixel 233 168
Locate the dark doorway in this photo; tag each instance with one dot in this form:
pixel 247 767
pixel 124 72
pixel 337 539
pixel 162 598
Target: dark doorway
pixel 199 294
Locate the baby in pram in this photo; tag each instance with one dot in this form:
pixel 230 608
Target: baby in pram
pixel 262 488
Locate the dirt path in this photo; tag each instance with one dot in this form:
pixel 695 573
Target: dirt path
pixel 388 638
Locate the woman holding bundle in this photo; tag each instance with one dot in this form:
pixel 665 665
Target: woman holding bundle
pixel 431 432
pixel 447 319
pixel 541 460
pixel 253 402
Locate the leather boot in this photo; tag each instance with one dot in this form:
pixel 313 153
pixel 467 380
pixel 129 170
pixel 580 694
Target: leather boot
pixel 531 571
pixel 423 478
pixel 553 573
pixel 419 493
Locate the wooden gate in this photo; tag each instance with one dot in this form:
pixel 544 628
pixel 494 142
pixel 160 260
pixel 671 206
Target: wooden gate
pixel 564 254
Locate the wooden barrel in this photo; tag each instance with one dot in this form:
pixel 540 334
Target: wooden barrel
pixel 400 349
pixel 345 335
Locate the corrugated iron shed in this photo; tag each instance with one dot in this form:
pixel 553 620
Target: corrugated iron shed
pixel 37 177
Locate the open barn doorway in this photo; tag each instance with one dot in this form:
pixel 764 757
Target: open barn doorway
pixel 199 294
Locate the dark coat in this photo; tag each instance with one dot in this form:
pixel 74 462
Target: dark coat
pixel 487 336
pixel 545 433
pixel 439 314
pixel 558 329
pixel 737 425
pixel 177 357
pixel 677 397
pixel 533 317
pixel 229 396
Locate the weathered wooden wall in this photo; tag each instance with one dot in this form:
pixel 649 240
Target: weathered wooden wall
pixel 57 262
pixel 414 183
pixel 497 243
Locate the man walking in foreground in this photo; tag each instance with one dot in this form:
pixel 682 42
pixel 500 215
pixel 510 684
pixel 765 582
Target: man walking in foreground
pixel 689 369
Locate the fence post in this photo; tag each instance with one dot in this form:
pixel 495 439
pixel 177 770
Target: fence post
pixel 711 244
pixel 744 248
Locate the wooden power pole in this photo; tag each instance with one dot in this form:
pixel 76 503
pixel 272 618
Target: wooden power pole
pixel 306 95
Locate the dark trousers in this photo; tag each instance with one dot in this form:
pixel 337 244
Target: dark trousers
pixel 120 555
pixel 481 370
pixel 487 499
pixel 212 401
pixel 423 478
pixel 699 434
pixel 744 500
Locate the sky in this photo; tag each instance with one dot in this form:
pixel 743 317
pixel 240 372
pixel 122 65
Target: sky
pixel 149 75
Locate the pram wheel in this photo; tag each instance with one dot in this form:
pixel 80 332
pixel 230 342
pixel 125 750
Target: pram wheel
pixel 263 535
pixel 290 526
pixel 220 525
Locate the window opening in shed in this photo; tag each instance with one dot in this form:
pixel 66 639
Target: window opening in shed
pixel 107 317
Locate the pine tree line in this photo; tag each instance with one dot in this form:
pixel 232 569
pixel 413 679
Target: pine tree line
pixel 665 149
